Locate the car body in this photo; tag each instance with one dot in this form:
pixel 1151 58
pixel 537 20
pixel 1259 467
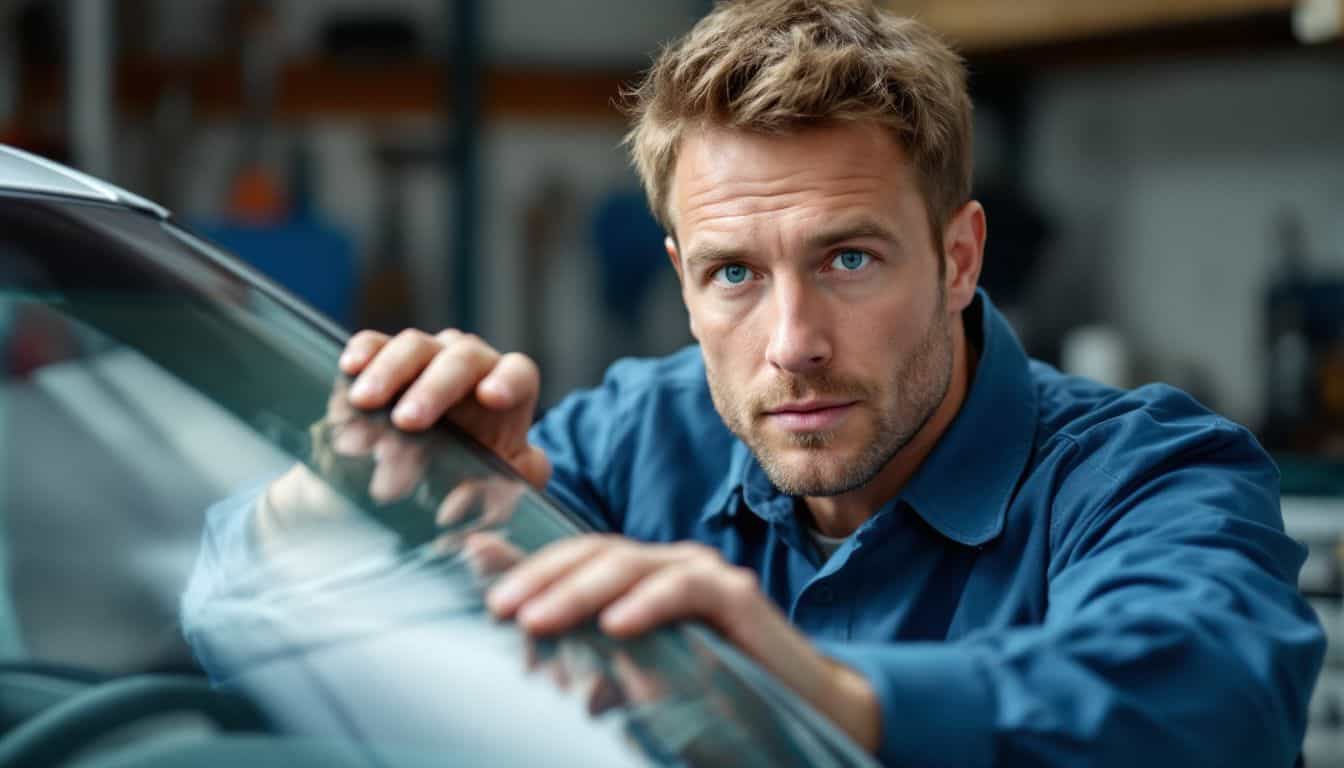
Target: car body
pixel 154 389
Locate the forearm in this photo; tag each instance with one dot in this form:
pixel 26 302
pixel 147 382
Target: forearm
pixel 852 703
pixel 934 707
pixel 227 549
pixel 1152 689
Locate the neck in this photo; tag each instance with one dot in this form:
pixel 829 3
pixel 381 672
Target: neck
pixel 842 515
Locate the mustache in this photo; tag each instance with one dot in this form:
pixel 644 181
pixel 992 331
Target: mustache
pixel 808 387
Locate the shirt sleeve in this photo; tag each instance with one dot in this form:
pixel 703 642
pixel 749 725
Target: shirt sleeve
pixel 226 551
pixel 580 437
pixel 1174 633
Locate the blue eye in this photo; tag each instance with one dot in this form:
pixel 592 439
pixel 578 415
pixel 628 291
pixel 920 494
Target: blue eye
pixel 733 274
pixel 851 260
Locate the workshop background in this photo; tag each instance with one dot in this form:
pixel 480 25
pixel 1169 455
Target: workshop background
pixel 1164 181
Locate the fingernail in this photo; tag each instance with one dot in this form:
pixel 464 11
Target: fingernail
pixel 381 488
pixel 535 613
pixel 497 388
pixel 502 596
pixel 348 441
pixel 410 412
pixel 348 359
pixel 616 617
pixel 364 387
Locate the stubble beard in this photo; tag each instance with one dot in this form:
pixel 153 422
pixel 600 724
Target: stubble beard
pixel 918 387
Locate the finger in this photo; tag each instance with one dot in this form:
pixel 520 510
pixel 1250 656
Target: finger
pixel 400 465
pixel 558 669
pixel 533 465
pixel 398 363
pixel 338 402
pixel 459 503
pixel 539 571
pixel 586 589
pixel 488 554
pixel 350 434
pixel 514 382
pixel 490 501
pixel 715 592
pixel 449 335
pixel 558 672
pixel 450 376
pixel 356 437
pixel 500 502
pixel 359 349
pixel 639 684
pixel 604 696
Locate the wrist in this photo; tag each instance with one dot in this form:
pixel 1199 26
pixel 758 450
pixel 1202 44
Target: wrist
pixel 275 512
pixel 264 527
pixel 853 705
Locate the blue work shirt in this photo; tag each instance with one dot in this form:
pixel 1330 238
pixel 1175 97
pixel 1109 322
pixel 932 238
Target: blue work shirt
pixel 1076 575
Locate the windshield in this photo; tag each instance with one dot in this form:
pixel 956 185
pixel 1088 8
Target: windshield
pixel 154 395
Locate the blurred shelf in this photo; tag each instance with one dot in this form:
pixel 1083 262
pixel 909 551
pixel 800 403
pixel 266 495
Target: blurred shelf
pixel 992 33
pixel 1318 518
pixel 324 88
pixel 986 26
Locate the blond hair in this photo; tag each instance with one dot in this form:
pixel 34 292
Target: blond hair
pixel 778 66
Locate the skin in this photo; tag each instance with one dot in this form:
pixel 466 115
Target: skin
pixel 841 306
pixel 839 357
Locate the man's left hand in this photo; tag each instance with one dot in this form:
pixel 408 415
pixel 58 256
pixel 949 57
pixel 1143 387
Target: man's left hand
pixel 633 587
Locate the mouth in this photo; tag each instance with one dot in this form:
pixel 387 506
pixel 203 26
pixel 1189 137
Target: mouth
pixel 810 415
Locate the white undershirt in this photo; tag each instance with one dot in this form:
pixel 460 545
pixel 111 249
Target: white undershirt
pixel 827 544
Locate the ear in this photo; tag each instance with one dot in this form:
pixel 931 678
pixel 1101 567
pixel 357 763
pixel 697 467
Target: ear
pixel 671 246
pixel 675 257
pixel 963 254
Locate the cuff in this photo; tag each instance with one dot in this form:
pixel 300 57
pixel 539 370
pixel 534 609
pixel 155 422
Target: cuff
pixel 937 708
pixel 227 547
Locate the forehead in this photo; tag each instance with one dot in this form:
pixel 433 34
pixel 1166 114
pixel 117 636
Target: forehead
pixel 725 176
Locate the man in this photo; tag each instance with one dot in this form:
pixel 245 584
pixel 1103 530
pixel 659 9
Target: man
pixel 960 556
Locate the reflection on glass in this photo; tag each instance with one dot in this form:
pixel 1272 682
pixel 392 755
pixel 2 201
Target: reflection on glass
pixel 379 531
pixel 337 578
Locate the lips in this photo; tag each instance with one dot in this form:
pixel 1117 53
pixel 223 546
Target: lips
pixel 810 415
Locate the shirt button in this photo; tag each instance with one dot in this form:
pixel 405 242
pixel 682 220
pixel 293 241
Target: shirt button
pixel 823 595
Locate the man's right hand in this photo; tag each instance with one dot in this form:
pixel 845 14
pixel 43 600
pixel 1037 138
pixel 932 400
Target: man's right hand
pixel 456 375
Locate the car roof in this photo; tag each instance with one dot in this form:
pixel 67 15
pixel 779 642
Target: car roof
pixel 27 172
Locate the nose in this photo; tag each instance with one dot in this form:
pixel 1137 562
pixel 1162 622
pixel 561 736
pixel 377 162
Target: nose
pixel 799 338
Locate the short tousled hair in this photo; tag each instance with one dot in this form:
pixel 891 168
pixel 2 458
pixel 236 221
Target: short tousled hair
pixel 779 66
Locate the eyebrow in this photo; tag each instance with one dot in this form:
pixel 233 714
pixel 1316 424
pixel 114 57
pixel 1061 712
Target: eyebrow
pixel 858 229
pixel 709 255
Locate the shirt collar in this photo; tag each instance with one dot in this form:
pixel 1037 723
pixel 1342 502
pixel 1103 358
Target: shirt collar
pixel 962 490
pixel 965 485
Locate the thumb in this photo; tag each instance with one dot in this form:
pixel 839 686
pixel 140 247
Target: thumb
pixel 533 465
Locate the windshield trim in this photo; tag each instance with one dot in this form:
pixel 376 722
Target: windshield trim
pixel 26 171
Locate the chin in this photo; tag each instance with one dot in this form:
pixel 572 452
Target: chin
pixel 813 472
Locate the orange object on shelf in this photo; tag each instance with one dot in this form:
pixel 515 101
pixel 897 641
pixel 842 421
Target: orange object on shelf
pixel 257 198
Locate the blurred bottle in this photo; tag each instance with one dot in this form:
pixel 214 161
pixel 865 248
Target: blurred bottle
pixel 1289 353
pixel 258 196
pixel 1305 345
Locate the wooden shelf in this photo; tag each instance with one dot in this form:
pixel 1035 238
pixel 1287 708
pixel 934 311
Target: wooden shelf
pixel 319 88
pixel 1016 33
pixel 987 26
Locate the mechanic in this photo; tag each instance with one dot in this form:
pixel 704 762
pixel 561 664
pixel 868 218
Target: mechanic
pixel 959 555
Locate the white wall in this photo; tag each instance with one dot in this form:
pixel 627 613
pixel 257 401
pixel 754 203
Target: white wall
pixel 1165 180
